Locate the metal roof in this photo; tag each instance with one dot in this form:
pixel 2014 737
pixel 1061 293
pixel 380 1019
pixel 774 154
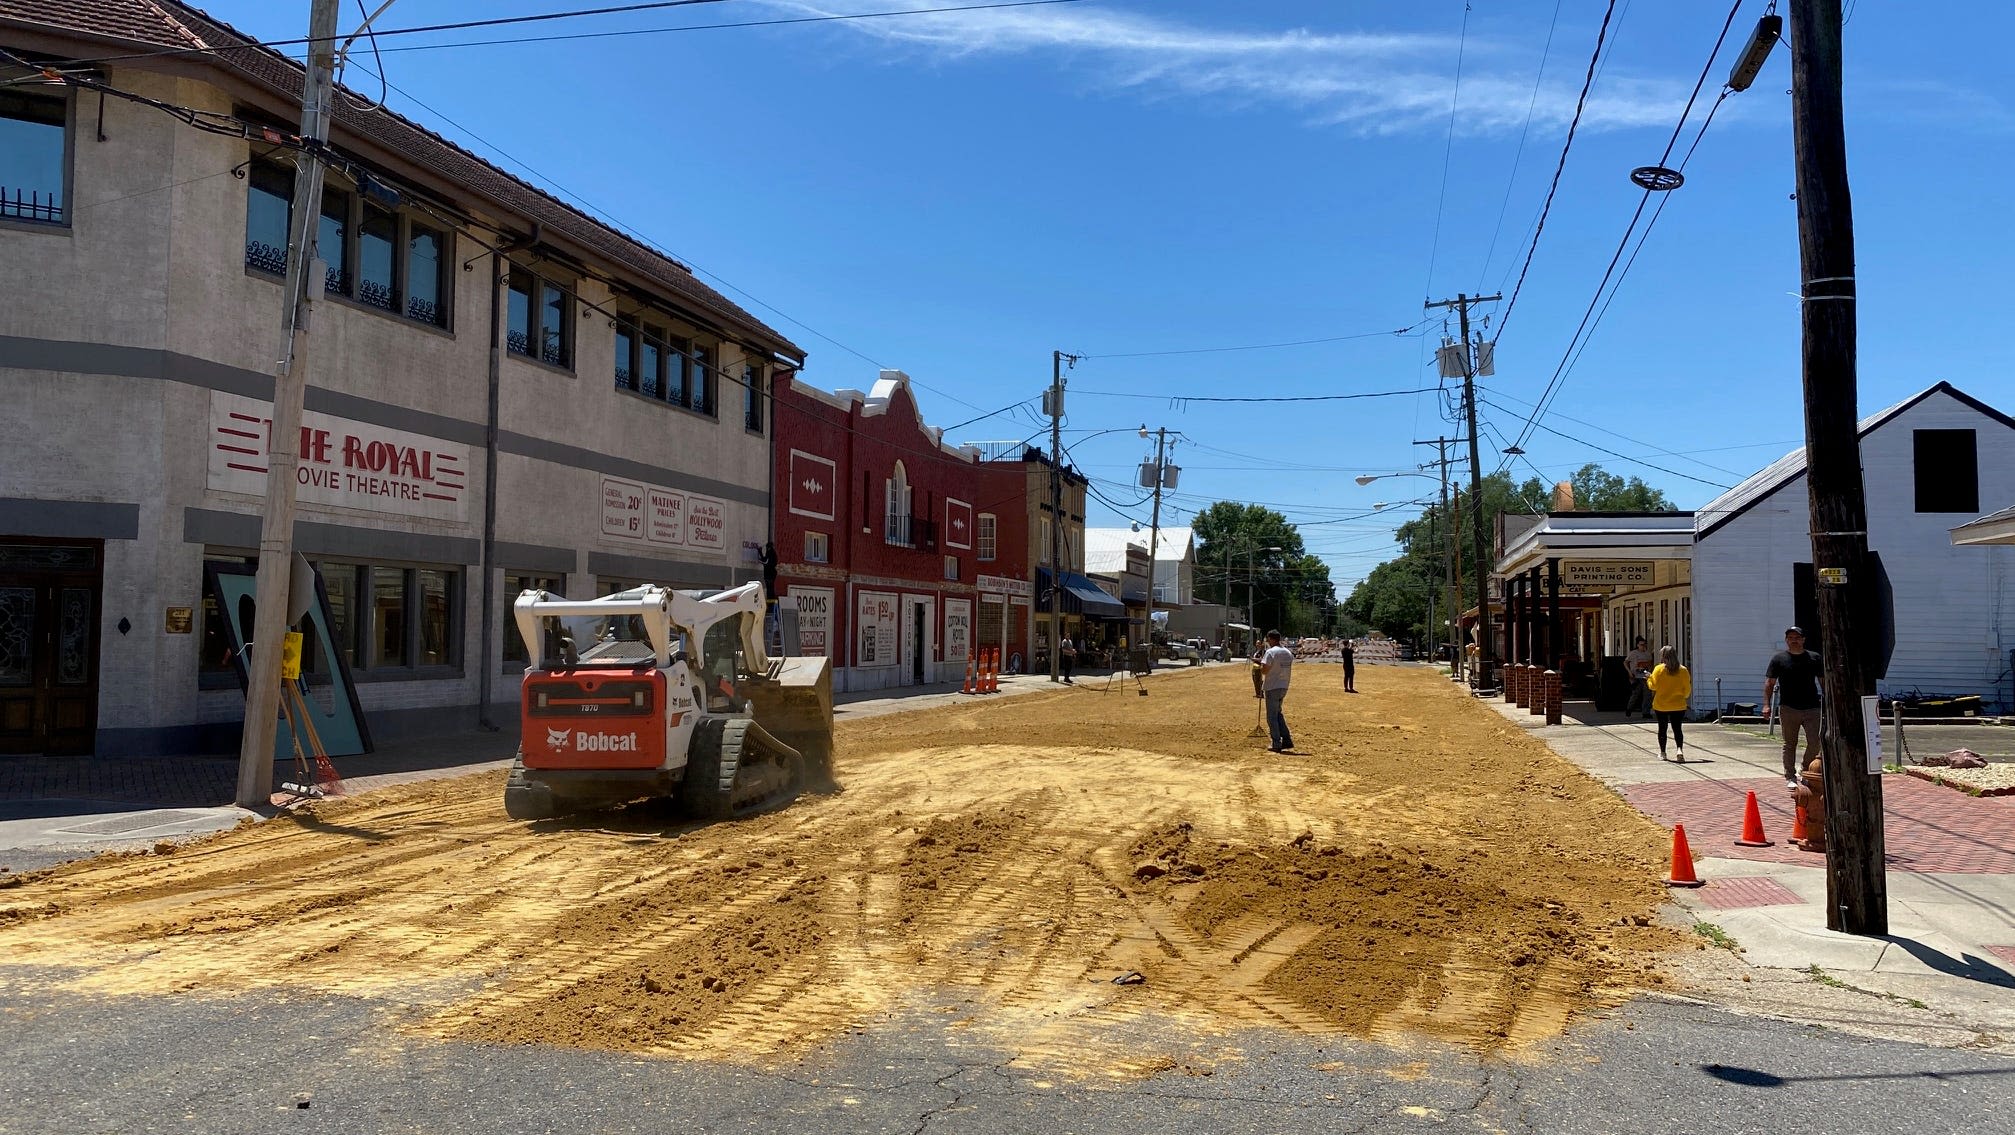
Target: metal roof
pixel 1791 466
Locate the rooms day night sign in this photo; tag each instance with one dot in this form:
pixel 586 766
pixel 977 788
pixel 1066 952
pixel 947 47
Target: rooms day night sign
pixel 344 463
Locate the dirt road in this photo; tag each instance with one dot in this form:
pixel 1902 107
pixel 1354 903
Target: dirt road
pixel 1424 869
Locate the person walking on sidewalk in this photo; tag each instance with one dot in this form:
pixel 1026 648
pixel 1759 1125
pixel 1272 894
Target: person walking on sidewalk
pixel 1637 664
pixel 1671 687
pixel 1067 658
pixel 1793 675
pixel 1278 661
pixel 1349 654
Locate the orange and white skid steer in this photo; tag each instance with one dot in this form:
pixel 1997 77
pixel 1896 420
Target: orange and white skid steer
pixel 658 693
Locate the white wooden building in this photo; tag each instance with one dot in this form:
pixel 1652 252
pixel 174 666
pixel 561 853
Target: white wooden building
pixel 1928 464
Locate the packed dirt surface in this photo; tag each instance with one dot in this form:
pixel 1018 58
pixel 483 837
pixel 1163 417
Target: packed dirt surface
pixel 1424 868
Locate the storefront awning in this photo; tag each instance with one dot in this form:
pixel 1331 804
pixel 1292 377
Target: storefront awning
pixel 1080 596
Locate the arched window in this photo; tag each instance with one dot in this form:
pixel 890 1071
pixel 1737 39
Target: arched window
pixel 896 508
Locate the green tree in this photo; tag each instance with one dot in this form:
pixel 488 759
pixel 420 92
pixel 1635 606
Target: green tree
pixel 1237 543
pixel 1423 539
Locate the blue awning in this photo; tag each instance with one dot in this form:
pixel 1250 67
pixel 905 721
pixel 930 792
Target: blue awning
pixel 1080 596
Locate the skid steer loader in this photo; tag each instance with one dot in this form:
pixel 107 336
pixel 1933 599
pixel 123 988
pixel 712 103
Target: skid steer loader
pixel 658 693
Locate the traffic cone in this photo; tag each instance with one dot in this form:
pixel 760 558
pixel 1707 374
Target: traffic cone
pixel 972 681
pixel 1681 874
pixel 989 675
pixel 1752 826
pixel 1798 824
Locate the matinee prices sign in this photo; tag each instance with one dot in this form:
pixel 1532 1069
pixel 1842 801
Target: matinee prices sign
pixel 343 463
pixel 650 514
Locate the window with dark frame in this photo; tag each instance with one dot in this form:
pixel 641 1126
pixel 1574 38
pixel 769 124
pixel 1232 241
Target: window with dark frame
pixel 1947 467
pixel 515 585
pixel 34 156
pixel 752 397
pixel 701 383
pixel 383 259
pixel 384 620
pixel 540 320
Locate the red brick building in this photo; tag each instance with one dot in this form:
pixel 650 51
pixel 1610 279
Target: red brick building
pixel 883 531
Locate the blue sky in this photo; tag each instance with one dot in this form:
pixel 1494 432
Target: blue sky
pixel 958 194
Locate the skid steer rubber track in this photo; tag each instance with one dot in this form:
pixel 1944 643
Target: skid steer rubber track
pixel 735 768
pixel 526 799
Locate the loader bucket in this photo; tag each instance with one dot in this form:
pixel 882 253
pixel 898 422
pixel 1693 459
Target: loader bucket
pixel 793 702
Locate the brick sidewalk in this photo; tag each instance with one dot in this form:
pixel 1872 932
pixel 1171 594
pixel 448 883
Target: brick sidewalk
pixel 1926 828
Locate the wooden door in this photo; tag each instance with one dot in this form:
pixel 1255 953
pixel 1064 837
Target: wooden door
pixel 49 597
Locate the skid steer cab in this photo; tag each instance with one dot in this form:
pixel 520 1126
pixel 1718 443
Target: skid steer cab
pixel 658 693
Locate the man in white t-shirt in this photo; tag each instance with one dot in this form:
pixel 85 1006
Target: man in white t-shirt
pixel 1278 661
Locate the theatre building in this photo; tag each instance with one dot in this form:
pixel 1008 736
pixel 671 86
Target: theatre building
pixel 503 392
pixel 881 532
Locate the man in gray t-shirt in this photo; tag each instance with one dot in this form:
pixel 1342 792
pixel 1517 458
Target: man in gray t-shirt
pixel 1638 664
pixel 1279 662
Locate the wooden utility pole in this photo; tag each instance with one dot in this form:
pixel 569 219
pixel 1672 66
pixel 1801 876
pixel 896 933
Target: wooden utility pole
pixel 1054 404
pixel 1441 464
pixel 1154 522
pixel 1480 543
pixel 283 439
pixel 1857 900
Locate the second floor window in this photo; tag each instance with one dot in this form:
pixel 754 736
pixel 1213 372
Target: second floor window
pixel 34 156
pixel 541 322
pixel 393 261
pixel 752 397
pixel 896 505
pixel 818 547
pixel 986 536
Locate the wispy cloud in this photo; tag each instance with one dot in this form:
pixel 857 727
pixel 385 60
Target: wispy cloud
pixel 1370 82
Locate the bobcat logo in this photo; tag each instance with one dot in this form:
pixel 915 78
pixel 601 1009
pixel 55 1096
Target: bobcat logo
pixel 559 738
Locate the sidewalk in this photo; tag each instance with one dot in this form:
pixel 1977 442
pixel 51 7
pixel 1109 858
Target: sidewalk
pixel 54 809
pixel 1950 863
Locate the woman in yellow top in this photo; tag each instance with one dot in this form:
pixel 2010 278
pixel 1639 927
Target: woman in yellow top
pixel 1671 687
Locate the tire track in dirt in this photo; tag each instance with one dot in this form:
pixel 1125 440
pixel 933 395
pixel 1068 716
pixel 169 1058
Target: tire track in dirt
pixel 1003 860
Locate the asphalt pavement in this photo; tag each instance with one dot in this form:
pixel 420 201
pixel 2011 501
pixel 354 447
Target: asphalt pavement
pixel 306 1063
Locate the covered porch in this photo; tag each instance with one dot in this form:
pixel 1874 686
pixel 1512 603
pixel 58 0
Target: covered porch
pixel 1577 588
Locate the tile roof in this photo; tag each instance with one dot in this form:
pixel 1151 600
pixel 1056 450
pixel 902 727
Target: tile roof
pixel 173 25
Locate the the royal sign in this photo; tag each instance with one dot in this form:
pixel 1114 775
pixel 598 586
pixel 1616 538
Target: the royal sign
pixel 343 463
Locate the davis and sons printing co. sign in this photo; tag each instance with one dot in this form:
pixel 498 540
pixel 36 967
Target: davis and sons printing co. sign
pixel 649 514
pixel 344 463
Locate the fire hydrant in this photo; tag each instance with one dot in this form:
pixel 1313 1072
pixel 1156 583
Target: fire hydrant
pixel 1810 796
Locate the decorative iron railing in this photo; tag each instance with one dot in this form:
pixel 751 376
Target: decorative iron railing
pixel 31 205
pixel 263 257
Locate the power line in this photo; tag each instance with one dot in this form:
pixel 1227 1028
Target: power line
pixel 1631 440
pixel 1178 401
pixel 1571 355
pixel 735 24
pixel 1574 123
pixel 1518 155
pixel 1621 456
pixel 1448 149
pixel 1258 346
pixel 567 14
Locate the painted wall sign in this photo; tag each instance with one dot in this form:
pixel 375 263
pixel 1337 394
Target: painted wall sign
pixel 875 629
pixel 343 463
pixel 958 629
pixel 815 619
pixel 706 523
pixel 958 524
pixel 814 485
pixel 1609 573
pixel 652 514
pixel 1002 585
